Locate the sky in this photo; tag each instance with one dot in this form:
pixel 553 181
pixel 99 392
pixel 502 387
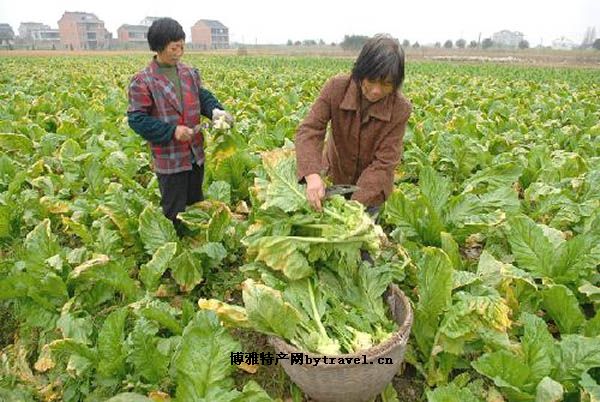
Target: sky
pixel 267 21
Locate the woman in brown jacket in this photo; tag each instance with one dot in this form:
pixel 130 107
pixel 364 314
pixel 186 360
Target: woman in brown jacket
pixel 368 116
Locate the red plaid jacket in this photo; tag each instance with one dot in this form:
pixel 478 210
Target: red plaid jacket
pixel 153 94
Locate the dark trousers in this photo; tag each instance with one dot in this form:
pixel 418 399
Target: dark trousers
pixel 179 190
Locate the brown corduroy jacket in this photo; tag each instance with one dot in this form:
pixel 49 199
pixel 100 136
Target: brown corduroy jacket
pixel 361 150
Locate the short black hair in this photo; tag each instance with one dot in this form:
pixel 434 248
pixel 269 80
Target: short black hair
pixel 162 32
pixel 381 57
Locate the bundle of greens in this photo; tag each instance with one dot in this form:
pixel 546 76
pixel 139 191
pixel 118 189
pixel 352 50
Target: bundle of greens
pixel 307 283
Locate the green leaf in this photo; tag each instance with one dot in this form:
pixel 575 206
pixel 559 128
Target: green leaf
pixel 252 392
pixel 507 371
pixel 219 190
pixel 591 327
pixel 76 328
pixel 143 353
pixel 268 312
pixel 16 143
pixel 496 176
pixel 187 271
pixel 70 346
pixel 436 188
pixel 5 217
pixel 113 273
pixel 576 258
pixel 155 229
pixel 492 271
pixel 467 316
pixel 111 350
pixel 151 272
pixel 164 315
pixel 282 254
pixel 213 253
pixel 40 244
pixel 389 394
pixel 282 190
pixel 532 249
pixel 129 397
pixel 203 360
pixel 434 281
pixel 562 305
pixel 576 355
pixel 549 390
pixel 538 347
pixel 450 247
pixel 451 393
pixel 220 220
pixel 590 387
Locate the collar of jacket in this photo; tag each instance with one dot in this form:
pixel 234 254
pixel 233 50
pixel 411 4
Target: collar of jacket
pixel 381 110
pixel 166 83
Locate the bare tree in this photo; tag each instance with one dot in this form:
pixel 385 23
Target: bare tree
pixel 461 43
pixel 589 37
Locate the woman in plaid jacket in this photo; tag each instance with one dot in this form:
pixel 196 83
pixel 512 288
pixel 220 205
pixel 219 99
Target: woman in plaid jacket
pixel 166 100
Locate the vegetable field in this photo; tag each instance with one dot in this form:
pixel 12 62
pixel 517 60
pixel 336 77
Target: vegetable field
pixel 493 232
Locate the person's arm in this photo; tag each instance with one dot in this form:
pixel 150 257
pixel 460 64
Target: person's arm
pixel 138 115
pixel 208 103
pixel 377 180
pixel 150 128
pixel 310 135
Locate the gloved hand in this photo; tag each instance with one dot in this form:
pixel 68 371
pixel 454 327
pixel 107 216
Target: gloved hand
pixel 222 120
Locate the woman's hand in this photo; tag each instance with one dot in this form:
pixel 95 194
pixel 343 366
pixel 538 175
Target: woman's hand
pixel 315 190
pixel 183 134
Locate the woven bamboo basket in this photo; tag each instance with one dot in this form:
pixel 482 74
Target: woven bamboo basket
pixel 354 382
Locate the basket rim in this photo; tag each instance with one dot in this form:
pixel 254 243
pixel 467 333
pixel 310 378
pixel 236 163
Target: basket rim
pixel 399 336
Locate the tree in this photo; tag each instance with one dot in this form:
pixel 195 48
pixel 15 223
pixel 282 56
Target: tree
pixel 437 44
pixel 321 42
pixel 416 45
pixel 596 44
pixel 290 42
pixel 461 43
pixel 353 42
pixel 297 43
pixel 523 44
pixel 473 44
pixel 589 37
pixel 487 43
pixel 405 43
pixel 448 44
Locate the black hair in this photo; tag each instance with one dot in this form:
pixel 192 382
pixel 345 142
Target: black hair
pixel 381 57
pixel 162 32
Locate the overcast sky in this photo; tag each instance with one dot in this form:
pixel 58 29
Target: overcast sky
pixel 262 21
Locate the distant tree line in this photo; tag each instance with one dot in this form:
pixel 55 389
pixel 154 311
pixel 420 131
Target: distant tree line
pixel 355 42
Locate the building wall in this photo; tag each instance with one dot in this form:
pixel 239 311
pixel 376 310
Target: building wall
pixel 220 38
pixel 507 38
pixel 132 36
pixel 201 36
pixel 82 35
pixel 206 37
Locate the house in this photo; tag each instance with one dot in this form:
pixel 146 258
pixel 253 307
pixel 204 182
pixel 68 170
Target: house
pixel 133 34
pixel 38 35
pixel 563 43
pixel 210 34
pixel 506 38
pixel 7 36
pixel 149 20
pixel 83 31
